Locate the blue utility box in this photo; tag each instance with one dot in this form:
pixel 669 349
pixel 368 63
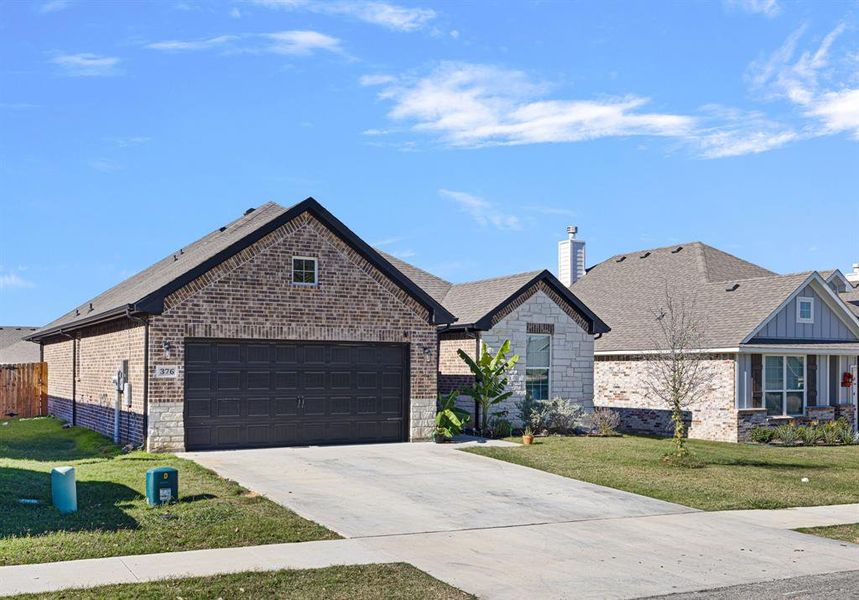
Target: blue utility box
pixel 162 485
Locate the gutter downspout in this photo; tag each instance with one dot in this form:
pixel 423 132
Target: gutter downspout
pixel 145 323
pixel 74 377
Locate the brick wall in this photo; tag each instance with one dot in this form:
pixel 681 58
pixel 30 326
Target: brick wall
pixel 100 352
pixel 453 373
pixel 572 353
pixel 251 296
pixel 619 385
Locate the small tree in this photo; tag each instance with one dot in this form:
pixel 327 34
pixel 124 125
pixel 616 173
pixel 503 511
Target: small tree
pixel 490 378
pixel 676 372
pixel 449 419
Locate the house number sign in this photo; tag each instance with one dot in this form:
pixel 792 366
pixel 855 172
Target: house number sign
pixel 166 372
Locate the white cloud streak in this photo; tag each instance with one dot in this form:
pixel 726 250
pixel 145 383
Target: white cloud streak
pixel 13 281
pixel 87 65
pixel 768 8
pixel 53 6
pixel 470 105
pixel 389 16
pixel 293 42
pixel 823 88
pixel 482 211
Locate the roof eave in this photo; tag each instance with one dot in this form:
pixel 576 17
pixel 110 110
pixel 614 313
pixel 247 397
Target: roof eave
pixel 102 317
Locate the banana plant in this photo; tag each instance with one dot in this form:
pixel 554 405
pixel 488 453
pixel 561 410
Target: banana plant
pixel 449 420
pixel 490 378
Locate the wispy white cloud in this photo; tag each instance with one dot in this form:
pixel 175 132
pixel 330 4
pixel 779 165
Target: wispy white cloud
pixel 384 14
pixel 471 105
pixel 551 210
pixel 728 132
pixel 53 6
pixel 824 87
pixel 376 79
pixel 204 44
pixel 128 141
pixel 482 211
pixel 293 42
pixel 235 13
pixel 10 280
pixel 389 241
pixel 87 65
pixel 768 8
pixel 105 165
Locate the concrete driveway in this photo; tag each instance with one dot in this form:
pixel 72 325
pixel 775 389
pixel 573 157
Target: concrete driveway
pixel 501 531
pixel 389 489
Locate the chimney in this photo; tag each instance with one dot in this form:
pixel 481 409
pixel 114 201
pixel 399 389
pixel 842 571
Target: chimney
pixel 571 258
pixel 853 277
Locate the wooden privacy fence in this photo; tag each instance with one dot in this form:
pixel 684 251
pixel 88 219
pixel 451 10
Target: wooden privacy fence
pixel 23 390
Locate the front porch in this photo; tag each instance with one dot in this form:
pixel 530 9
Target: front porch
pixel 782 382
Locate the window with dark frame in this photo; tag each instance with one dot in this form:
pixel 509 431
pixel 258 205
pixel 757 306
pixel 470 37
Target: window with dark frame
pixel 304 270
pixel 537 363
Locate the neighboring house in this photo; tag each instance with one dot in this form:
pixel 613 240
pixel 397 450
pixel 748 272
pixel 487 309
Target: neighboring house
pixel 282 327
pixel 550 329
pixel 14 349
pixel 776 346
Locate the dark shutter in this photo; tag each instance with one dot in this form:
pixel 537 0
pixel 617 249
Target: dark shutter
pixel 811 384
pixel 757 381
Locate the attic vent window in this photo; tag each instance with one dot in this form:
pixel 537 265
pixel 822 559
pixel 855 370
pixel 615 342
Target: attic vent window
pixel 732 288
pixel 677 249
pixel 621 259
pixel 805 310
pixel 645 255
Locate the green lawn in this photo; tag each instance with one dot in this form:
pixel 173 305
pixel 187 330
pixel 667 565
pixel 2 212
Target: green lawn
pixel 113 517
pixel 347 583
pixel 845 533
pixel 735 476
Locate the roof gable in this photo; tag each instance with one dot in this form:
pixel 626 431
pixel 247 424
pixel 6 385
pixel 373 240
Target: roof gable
pixel 145 292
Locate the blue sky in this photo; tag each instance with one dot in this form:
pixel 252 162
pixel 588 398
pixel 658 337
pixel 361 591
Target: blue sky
pixel 462 137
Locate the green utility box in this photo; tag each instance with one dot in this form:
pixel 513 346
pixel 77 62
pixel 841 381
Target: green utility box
pixel 162 485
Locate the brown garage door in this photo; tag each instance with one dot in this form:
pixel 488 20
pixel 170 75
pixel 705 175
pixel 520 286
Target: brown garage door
pixel 257 393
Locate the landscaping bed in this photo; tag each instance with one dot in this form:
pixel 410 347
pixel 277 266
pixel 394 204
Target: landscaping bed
pixel 733 476
pixel 391 581
pixel 113 518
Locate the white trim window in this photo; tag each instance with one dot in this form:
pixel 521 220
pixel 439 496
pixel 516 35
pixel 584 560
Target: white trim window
pixel 538 358
pixel 304 270
pixel 805 310
pixel 784 385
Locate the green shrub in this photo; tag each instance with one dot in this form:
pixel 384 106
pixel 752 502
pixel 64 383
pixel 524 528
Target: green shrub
pixel 762 435
pixel 557 416
pixel 787 434
pixel 830 433
pixel 844 431
pixel 499 427
pixel 604 421
pixel 809 434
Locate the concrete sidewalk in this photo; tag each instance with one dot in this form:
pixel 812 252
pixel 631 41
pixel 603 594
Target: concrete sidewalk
pixel 622 557
pixel 51 577
pixel 796 518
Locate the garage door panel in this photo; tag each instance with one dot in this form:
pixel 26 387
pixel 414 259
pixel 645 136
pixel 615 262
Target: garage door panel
pixel 284 407
pixel 259 407
pixel 228 407
pixel 228 353
pixel 228 381
pixel 259 393
pixel 259 380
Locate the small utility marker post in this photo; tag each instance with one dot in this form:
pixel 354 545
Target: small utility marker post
pixel 64 493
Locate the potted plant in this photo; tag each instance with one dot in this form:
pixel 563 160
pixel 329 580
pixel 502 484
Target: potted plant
pixel 528 435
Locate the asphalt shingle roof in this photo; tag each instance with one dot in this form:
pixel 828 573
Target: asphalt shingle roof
pixel 628 289
pixel 15 350
pixel 178 264
pixel 470 301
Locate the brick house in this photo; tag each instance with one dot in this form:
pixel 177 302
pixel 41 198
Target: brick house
pixel 778 347
pixel 285 328
pixel 282 327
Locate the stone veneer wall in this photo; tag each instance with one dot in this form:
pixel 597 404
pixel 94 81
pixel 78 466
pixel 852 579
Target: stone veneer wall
pixel 100 352
pixel 572 355
pixel 619 386
pixel 748 419
pixel 250 295
pixel 846 411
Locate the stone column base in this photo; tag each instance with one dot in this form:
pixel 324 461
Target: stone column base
pixel 166 431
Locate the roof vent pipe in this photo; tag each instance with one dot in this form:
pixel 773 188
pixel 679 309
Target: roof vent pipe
pixel 249 211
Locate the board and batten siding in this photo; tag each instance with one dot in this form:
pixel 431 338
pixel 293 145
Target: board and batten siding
pixel 744 380
pixel 827 325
